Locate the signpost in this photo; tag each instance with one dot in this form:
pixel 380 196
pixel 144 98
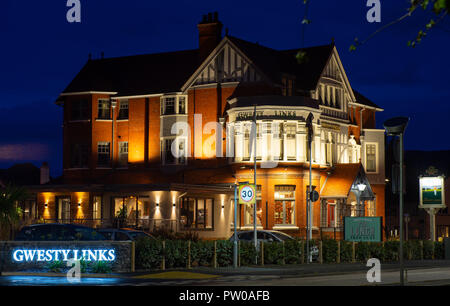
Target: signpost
pixel 432 196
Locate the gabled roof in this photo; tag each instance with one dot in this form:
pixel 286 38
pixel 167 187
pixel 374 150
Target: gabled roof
pixel 168 71
pixel 136 75
pixel 339 183
pixel 275 63
pixel 363 100
pixel 274 101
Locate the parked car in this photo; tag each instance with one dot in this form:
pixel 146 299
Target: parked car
pixel 123 234
pixel 271 236
pixel 58 232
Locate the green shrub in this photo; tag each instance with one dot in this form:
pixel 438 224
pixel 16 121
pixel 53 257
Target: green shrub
pixel 148 253
pixel 329 250
pixel 428 249
pixel 101 267
pixel 202 253
pixel 56 266
pixel 391 250
pixel 224 253
pixel 439 250
pixel 293 251
pixel 176 253
pixel 346 251
pixel 247 253
pixel 273 253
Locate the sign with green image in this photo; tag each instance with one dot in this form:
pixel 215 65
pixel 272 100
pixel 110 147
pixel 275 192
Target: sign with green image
pixel 432 191
pixel 362 229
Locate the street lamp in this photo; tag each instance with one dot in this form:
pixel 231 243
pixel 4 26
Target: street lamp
pixel 396 127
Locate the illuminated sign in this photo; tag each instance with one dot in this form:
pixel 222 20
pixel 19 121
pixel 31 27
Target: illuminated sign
pixel 362 229
pixel 432 192
pixel 39 255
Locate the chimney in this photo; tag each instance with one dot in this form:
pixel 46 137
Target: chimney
pixel 45 173
pixel 209 34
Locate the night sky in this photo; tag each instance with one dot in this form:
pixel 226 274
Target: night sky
pixel 41 53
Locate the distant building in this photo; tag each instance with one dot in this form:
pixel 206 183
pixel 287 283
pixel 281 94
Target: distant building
pixel 119 141
pixel 416 164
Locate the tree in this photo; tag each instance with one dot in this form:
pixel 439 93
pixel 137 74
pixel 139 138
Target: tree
pixel 438 9
pixel 10 212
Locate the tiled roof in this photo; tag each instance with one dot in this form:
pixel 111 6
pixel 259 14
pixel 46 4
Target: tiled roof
pixel 363 100
pixel 167 72
pixel 136 75
pixel 340 181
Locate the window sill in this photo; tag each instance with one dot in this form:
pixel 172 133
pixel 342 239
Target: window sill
pixel 103 120
pixel 122 120
pixel 100 167
pixel 250 227
pixel 285 227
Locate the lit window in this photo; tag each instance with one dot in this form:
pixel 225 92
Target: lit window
pixel 249 210
pixel 197 213
pixel 181 105
pixel 371 208
pixel 97 207
pixel 104 109
pixel 291 144
pixel 284 212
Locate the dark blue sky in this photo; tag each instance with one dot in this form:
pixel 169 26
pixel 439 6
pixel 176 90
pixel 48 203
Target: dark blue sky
pixel 41 52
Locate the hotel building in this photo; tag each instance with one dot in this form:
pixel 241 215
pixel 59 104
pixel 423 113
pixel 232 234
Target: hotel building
pixel 122 119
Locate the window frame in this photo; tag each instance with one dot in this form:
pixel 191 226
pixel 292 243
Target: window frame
pixel 105 165
pixel 375 144
pixel 100 115
pixel 176 105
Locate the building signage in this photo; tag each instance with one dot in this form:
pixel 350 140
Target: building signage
pixel 362 229
pixel 278 114
pixel 39 255
pixel 432 193
pixel 246 194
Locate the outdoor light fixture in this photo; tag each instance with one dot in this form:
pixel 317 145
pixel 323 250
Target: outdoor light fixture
pixel 361 187
pixel 223 206
pixel 173 205
pixel 46 205
pixel 79 204
pixel 157 204
pixel 396 127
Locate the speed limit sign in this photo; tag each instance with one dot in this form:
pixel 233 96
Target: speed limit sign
pixel 246 194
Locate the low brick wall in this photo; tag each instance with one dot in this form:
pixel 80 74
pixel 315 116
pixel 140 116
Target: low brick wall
pixel 120 260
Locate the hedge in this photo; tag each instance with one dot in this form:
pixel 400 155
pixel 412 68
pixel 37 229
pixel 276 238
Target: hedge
pixel 175 253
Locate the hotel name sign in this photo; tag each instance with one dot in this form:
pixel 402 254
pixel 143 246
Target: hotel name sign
pixel 39 255
pixel 274 114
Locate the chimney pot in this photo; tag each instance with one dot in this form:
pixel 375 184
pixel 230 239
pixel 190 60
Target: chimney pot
pixel 210 34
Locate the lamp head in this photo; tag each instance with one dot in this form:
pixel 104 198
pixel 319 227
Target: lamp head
pixel 396 125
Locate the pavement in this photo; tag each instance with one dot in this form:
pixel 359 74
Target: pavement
pixel 427 272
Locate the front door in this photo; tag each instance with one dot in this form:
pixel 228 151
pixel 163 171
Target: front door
pixel 64 210
pixel 331 215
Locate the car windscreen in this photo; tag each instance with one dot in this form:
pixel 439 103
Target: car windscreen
pixel 87 234
pixel 136 235
pixel 282 236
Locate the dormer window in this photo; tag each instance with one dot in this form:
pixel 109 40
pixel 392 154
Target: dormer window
pixel 287 86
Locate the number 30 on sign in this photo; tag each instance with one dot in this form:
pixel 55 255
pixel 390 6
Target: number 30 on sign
pixel 246 194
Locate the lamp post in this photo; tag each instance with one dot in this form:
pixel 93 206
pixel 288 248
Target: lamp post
pixel 396 127
pixel 113 106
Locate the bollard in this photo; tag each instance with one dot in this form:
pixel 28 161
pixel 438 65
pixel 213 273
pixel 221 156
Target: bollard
pixel 215 253
pixel 262 253
pixel 133 256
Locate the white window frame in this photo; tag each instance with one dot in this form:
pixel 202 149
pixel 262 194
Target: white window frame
pixel 178 160
pixel 376 157
pixel 162 108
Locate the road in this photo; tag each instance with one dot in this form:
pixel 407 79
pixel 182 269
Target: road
pixel 419 276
